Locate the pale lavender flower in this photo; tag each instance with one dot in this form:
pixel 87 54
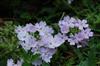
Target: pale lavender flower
pixel 30 28
pixel 29 43
pixel 53 42
pixel 21 33
pixel 84 34
pixel 63 26
pixel 46 53
pixel 26 41
pixel 40 25
pixel 58 40
pixel 72 40
pixel 43 29
pixel 88 32
pixel 10 62
pixel 82 24
pixel 66 24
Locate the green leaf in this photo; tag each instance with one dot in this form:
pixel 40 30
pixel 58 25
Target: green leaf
pixel 3 62
pixel 83 63
pixel 45 64
pixel 28 57
pixel 26 64
pixel 25 15
pixel 92 57
pixel 70 62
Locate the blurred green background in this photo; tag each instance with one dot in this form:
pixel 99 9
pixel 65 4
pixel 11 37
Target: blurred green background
pixel 25 11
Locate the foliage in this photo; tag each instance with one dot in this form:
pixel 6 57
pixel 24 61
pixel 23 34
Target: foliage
pixel 51 11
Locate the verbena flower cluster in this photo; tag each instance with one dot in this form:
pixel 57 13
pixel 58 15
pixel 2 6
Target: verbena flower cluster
pixel 81 30
pixel 40 38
